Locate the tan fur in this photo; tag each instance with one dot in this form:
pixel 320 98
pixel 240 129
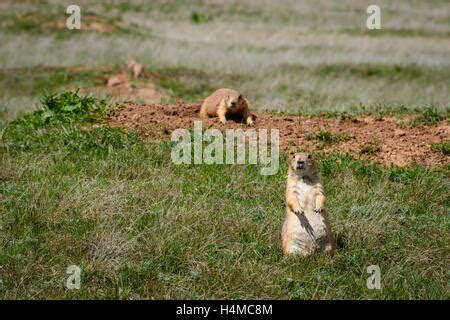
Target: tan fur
pixel 306 228
pixel 224 102
pixel 135 67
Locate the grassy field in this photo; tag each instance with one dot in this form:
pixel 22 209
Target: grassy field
pixel 97 199
pixel 73 193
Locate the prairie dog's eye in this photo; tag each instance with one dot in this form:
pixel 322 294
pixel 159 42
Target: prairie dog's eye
pixel 309 157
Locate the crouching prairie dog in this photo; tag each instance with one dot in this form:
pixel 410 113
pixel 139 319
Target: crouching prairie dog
pixel 224 102
pixel 306 228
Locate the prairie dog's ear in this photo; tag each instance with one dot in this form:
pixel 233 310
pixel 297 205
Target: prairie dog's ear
pixel 130 63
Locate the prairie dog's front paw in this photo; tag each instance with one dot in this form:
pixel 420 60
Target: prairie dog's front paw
pixel 250 122
pixel 318 210
pixel 299 211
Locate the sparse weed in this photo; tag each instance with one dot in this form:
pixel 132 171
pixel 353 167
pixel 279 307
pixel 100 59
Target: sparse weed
pixel 443 147
pixel 197 17
pixel 428 116
pixel 325 137
pixel 371 147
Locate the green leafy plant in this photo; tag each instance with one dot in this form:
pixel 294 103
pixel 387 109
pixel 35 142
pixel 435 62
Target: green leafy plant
pixel 69 106
pixel 57 111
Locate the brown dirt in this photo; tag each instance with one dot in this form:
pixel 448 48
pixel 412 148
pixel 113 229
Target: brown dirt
pixel 47 22
pixel 120 85
pixel 397 146
pixel 88 23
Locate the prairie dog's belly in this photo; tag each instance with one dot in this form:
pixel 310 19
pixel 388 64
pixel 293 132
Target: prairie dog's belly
pixel 310 223
pixel 317 222
pixel 304 195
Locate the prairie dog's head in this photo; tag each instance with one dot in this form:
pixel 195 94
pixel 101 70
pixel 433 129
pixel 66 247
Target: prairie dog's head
pixel 131 63
pixel 235 100
pixel 303 164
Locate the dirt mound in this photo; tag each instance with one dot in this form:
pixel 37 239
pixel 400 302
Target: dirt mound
pixel 126 86
pixel 383 140
pixel 137 93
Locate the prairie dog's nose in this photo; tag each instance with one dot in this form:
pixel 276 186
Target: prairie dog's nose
pixel 300 162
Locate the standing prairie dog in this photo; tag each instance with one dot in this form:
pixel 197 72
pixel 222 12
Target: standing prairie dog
pixel 225 102
pixel 306 228
pixel 135 67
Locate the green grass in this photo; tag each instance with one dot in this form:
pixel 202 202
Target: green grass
pixel 65 107
pixel 443 147
pixel 74 191
pixel 428 116
pixel 198 18
pixel 21 88
pixel 324 137
pixel 35 80
pixel 95 198
pixel 400 32
pixel 371 147
pixel 188 84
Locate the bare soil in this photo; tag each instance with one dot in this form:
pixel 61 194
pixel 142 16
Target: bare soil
pixel 384 141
